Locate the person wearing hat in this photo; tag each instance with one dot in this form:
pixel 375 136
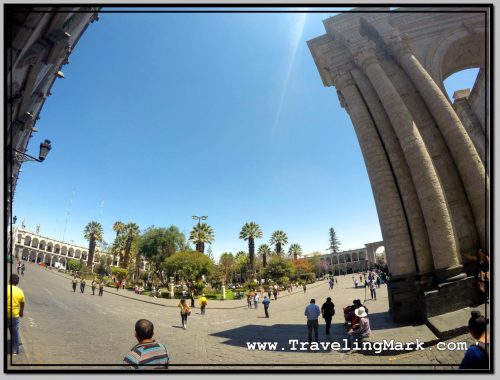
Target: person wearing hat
pixel 360 329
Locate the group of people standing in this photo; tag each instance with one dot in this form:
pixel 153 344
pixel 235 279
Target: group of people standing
pixel 20 268
pixel 94 284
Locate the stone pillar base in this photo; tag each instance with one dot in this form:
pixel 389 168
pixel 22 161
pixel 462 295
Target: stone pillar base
pixel 451 296
pixel 416 298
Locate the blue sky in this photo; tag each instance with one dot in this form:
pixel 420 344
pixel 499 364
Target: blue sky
pixel 165 116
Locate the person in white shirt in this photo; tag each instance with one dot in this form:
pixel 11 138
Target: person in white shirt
pixel 312 313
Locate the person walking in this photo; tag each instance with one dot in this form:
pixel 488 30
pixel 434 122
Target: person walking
pixel 93 285
pixel 23 267
pixel 117 283
pixel 18 267
pixel 82 285
pixel 185 311
pixel 249 299
pixel 15 311
pixel 203 303
pixel 327 312
pixel 74 281
pixel 275 292
pixel 101 288
pixel 269 291
pixel 476 356
pixel 123 284
pixel 191 295
pixel 312 313
pixel 379 281
pixel 256 300
pixel 147 354
pixel 373 290
pixel 266 301
pixel 304 286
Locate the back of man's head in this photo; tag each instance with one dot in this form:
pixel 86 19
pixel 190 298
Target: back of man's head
pixel 14 279
pixel 144 329
pixel 329 299
pixel 313 300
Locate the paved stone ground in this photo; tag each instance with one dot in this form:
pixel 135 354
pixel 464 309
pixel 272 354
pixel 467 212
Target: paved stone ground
pixel 66 328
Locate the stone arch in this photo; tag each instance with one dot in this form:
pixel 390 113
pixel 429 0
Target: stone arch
pixel 49 257
pixel 84 255
pixel 27 240
pixel 39 257
pixel 455 52
pixel 71 252
pixel 78 253
pixel 32 256
pixel 34 242
pixel 19 238
pixel 25 254
pixel 42 245
pixel 50 247
pixel 57 249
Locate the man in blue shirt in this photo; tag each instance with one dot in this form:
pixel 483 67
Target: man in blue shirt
pixel 266 303
pixel 312 313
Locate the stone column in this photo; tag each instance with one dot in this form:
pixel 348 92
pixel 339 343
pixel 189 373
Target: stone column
pixel 429 191
pixel 171 287
pixel 409 198
pixel 391 215
pixel 465 156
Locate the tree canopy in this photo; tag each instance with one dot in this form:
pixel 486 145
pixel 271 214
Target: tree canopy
pixel 189 264
pixel 334 241
pixel 279 267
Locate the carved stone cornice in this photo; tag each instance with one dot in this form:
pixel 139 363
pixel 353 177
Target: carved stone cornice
pixel 397 45
pixel 342 79
pixel 365 57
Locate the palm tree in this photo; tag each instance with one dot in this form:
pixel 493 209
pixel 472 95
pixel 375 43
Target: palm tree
pixel 251 231
pixel 118 227
pixel 295 250
pixel 93 233
pixel 131 231
pixel 200 234
pixel 279 239
pixel 264 251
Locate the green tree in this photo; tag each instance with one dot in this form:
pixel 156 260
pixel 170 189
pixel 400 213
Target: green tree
pixel 279 267
pixel 295 251
pixel 278 239
pixel 93 233
pixel 74 265
pixel 227 265
pixel 119 273
pixel 201 234
pixel 264 251
pixel 334 241
pixel 118 227
pixel 157 244
pixel 190 264
pixel 251 231
pixel 131 232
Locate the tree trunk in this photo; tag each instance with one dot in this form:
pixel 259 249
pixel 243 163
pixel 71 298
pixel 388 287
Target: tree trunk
pixel 126 257
pixel 90 259
pixel 251 252
pixel 264 260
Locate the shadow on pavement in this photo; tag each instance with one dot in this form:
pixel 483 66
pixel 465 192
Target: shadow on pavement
pixel 283 333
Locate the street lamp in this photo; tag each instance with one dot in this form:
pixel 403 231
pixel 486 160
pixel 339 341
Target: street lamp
pixel 200 218
pixel 21 157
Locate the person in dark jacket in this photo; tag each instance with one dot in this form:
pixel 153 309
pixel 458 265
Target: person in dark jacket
pixel 327 312
pixel 476 356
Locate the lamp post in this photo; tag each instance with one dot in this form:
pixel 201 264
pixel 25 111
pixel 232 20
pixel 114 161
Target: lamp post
pixel 199 218
pixel 21 157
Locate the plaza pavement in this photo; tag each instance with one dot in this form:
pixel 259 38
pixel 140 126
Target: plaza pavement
pixel 65 328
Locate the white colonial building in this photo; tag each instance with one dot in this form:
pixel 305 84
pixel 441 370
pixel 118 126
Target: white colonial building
pixel 29 246
pixel 351 261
